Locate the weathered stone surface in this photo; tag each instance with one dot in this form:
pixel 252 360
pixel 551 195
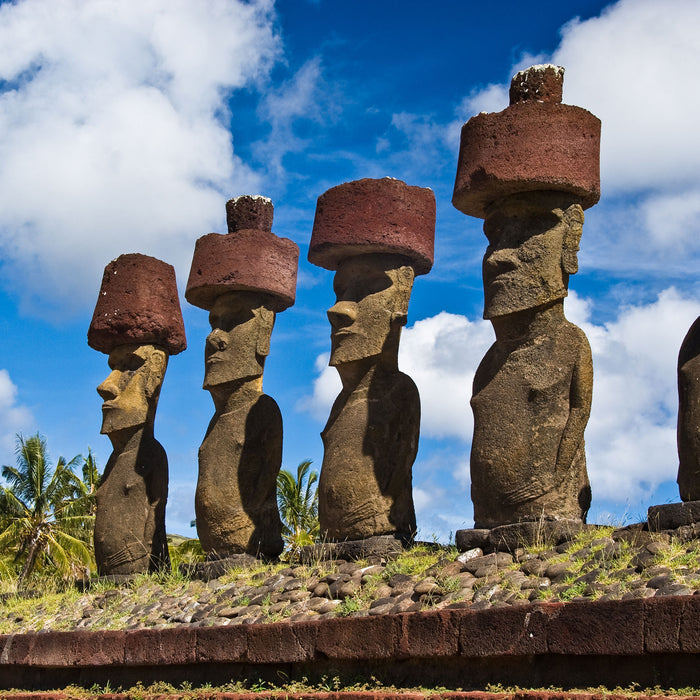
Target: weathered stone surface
pixel 533 145
pixel 241 278
pixel 249 259
pixel 498 560
pixel 670 516
pixel 529 171
pixel 236 497
pixel 532 391
pixel 137 320
pixel 211 570
pixel 377 235
pixel 689 415
pixel 510 537
pixel 371 437
pixel 138 303
pixel 374 216
pixel 249 212
pixel 542 83
pixel 467 540
pixel 380 545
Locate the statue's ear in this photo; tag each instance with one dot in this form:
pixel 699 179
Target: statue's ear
pixel 265 326
pixel 573 218
pixel 402 278
pixel 156 364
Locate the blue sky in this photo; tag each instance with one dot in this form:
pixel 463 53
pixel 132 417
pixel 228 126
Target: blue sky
pixel 125 127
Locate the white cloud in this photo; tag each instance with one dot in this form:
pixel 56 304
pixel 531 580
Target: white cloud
pixel 639 82
pixel 14 417
pixel 441 354
pixel 114 131
pixel 631 435
pixel 325 388
pixel 672 220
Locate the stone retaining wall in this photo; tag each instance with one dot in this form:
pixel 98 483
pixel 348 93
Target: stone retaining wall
pixel 650 642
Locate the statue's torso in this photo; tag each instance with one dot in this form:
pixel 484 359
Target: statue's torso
pixel 236 497
pixel 370 443
pixel 130 518
pixel 521 405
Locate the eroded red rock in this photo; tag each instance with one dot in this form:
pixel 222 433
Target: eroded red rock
pixel 138 303
pixel 249 212
pixel 374 216
pixel 244 260
pixel 536 143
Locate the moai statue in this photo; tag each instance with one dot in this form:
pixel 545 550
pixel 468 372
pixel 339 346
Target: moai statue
pixel 138 323
pixel 377 235
pixel 529 172
pixel 242 278
pixel 689 415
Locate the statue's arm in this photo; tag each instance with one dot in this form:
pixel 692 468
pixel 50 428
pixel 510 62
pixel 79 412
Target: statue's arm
pixel 395 433
pixel 580 396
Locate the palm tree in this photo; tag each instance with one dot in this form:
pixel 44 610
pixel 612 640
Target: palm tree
pixel 43 512
pixel 298 504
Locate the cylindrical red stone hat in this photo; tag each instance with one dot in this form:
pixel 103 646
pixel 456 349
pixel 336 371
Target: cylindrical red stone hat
pixel 536 143
pixel 374 216
pixel 248 258
pixel 138 303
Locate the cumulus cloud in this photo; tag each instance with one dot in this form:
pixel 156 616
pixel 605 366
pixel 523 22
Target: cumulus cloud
pixel 639 80
pixel 441 354
pixel 14 417
pixel 631 435
pixel 114 131
pixel 326 387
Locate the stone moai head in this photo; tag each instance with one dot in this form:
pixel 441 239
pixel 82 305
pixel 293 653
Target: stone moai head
pixel 138 323
pixel 529 171
pixel 377 235
pixel 533 248
pixel 242 278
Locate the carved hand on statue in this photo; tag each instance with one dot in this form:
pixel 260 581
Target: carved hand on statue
pixel 529 491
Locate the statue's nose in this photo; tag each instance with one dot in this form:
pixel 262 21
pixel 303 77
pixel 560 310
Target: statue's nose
pixel 109 389
pixel 342 313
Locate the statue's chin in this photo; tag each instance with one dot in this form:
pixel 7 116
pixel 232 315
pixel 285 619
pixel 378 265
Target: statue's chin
pixel 516 300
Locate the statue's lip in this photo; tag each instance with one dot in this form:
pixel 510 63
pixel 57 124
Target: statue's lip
pixel 214 358
pixel 106 405
pixel 341 332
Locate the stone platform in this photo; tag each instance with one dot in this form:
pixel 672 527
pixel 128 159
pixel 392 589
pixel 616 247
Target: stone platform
pixel 215 568
pixel 351 550
pixel 671 516
pixel 507 538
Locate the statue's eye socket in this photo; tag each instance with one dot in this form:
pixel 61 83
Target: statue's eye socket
pixel 133 363
pixel 492 231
